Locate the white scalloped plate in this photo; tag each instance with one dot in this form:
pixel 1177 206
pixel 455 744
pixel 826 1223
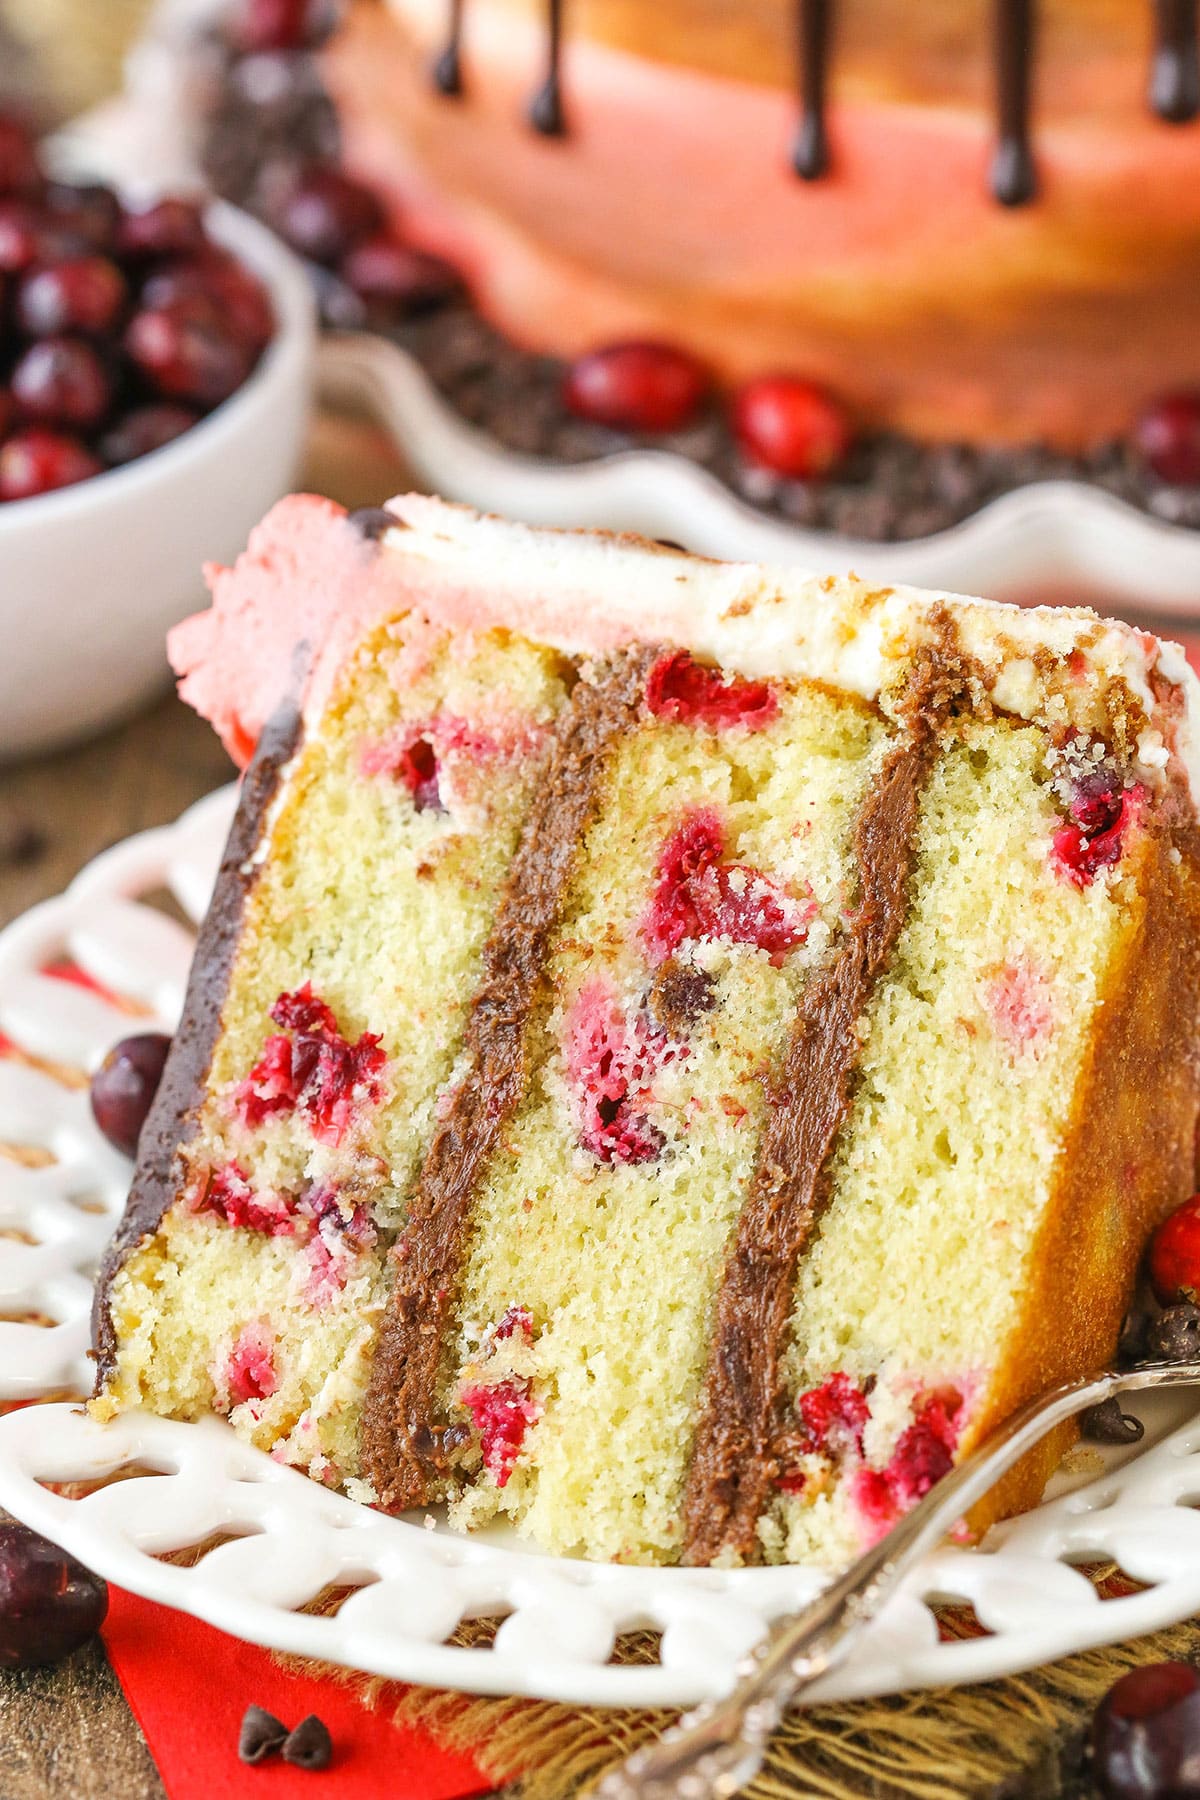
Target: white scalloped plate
pixel 284 1539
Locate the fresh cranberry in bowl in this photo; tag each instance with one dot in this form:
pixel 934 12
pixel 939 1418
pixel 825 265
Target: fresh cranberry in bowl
pixel 37 461
pixel 144 429
pixel 236 295
pixel 397 282
pixel 62 381
pixel 185 351
pixel 637 387
pixel 169 227
pixel 20 171
pixel 87 294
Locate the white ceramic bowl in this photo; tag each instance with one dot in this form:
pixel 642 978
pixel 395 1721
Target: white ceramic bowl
pixel 91 577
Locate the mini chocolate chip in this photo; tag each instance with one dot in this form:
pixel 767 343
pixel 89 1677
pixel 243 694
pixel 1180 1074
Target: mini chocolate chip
pixel 262 1735
pixel 309 1746
pixel 21 842
pixel 1175 1335
pixel 681 993
pixel 1131 1347
pixel 1107 1424
pixel 372 521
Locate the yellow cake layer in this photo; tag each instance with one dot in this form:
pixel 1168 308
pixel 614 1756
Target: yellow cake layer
pixel 619 1265
pixel 383 909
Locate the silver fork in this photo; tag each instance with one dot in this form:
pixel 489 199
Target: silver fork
pixel 716 1749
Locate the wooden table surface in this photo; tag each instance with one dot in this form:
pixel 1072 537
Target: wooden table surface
pixel 66 1732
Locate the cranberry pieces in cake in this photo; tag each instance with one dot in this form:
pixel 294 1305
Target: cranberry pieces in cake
pixel 227 1193
pixel 611 1063
pixel 683 689
pixel 247 1371
pixel 440 761
pixel 924 1453
pixel 699 897
pixel 833 1417
pixel 498 1396
pixel 1101 811
pixel 315 1071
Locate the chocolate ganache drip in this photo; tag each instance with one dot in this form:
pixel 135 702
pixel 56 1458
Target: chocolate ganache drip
pixel 546 112
pixel 447 70
pixel 1174 82
pixel 1175 70
pixel 1014 180
pixel 810 153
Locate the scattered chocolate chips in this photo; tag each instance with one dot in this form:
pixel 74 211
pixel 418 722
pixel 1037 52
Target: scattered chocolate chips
pixel 1107 1424
pixel 681 993
pixel 262 1735
pixel 309 1746
pixel 372 521
pixel 1175 1335
pixel 21 842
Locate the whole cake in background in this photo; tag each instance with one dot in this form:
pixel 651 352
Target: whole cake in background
pixel 678 1049
pixel 890 259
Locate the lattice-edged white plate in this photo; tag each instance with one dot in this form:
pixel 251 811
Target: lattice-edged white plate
pixel 276 1540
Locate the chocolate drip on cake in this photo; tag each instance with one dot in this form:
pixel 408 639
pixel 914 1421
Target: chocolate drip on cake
pixel 406 1447
pixel 546 111
pixel 172 1119
pixel 743 1411
pixel 447 68
pixel 810 152
pixel 1175 70
pixel 1013 178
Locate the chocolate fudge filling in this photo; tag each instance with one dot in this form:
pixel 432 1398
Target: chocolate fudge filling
pixel 743 1412
pixel 172 1118
pixel 407 1448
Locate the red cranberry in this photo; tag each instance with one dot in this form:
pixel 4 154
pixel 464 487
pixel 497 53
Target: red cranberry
pixel 678 687
pixel 323 213
pixel 19 170
pixel 85 295
pixel 88 209
pixel 20 236
pixel 170 227
pixel 185 353
pixel 791 427
pixel 1146 1735
pixel 37 461
pixel 280 24
pixel 61 381
pixel 398 280
pixel 234 293
pixel 636 387
pixel 144 429
pixel 124 1086
pixel 49 1603
pixel 1168 436
pixel 1175 1255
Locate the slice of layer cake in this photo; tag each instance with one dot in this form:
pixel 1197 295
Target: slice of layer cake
pixel 678 1050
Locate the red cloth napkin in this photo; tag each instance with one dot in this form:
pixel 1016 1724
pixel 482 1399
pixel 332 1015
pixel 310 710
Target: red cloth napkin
pixel 189 1684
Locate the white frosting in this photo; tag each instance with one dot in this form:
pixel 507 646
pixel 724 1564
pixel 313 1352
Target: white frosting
pixel 585 592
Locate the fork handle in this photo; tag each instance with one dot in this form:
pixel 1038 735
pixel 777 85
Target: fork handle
pixel 716 1749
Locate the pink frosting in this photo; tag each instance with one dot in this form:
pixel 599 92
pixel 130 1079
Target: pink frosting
pixel 305 577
